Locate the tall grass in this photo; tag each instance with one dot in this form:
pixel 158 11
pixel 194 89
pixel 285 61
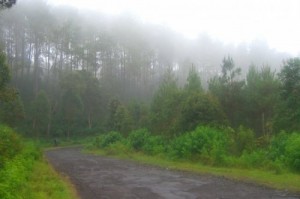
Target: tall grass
pixel 24 174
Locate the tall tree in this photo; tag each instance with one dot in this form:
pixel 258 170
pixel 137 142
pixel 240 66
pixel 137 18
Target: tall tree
pixel 91 98
pixel 73 86
pixel 165 106
pixel 198 107
pixel 11 107
pixel 119 118
pixel 41 114
pixel 4 72
pixel 193 81
pixel 261 95
pixel 228 89
pixel 288 114
pixel 71 109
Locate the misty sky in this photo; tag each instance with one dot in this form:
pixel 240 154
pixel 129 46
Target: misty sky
pixel 231 21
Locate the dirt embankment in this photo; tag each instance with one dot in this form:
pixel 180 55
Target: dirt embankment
pixel 97 177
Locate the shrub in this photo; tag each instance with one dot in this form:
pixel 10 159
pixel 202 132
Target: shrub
pixel 154 145
pixel 293 151
pixel 138 138
pixel 206 143
pixel 105 140
pixel 277 148
pixel 10 144
pixel 244 140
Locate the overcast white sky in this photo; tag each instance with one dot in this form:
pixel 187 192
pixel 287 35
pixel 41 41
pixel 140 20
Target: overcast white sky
pixel 276 21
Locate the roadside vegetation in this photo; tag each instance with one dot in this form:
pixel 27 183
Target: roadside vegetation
pixel 223 152
pixel 25 174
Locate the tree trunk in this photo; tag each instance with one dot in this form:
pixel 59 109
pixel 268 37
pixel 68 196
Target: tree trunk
pixel 90 120
pixel 263 123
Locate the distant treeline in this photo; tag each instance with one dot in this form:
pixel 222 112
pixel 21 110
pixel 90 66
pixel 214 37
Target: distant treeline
pixel 84 73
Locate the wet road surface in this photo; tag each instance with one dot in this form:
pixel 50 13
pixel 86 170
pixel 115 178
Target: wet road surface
pixel 97 177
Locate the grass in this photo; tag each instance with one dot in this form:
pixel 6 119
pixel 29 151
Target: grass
pixel 283 181
pixel 46 183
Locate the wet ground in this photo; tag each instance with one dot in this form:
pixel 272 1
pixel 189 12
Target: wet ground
pixel 97 177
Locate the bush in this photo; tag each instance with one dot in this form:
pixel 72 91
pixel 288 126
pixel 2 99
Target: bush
pixel 244 140
pixel 105 140
pixel 10 144
pixel 142 140
pixel 277 148
pixel 206 143
pixel 154 145
pixel 138 138
pixel 293 151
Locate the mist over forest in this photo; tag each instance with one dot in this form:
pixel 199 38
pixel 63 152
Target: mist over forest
pixel 70 66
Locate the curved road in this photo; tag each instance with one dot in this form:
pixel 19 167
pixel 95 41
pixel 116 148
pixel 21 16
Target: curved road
pixel 97 177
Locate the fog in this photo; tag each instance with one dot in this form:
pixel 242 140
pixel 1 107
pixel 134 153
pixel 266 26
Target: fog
pixel 48 36
pixel 126 57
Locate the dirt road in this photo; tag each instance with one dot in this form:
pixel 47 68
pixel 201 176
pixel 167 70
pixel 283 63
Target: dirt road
pixel 101 177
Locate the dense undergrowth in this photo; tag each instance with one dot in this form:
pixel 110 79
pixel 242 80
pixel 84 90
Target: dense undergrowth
pixel 219 147
pixel 24 174
pixel 271 161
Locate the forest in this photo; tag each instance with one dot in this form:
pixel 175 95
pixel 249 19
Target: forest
pixel 67 74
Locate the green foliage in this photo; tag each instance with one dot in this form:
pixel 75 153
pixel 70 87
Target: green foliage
pixel 16 171
pixel 200 109
pixel 211 146
pixel 206 143
pixel 293 151
pixel 140 114
pixel 244 140
pixel 155 145
pixel 72 106
pixel 107 139
pixel 193 82
pixel 11 107
pixel 4 72
pixel 123 120
pixel 229 91
pixel 262 96
pixel 40 112
pixel 138 138
pixel 45 183
pixel 71 109
pixel 12 110
pixel 10 144
pixel 165 107
pixel 92 99
pixel 119 117
pixel 277 148
pixel 252 159
pixel 288 113
pixel 229 72
pixel 142 140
